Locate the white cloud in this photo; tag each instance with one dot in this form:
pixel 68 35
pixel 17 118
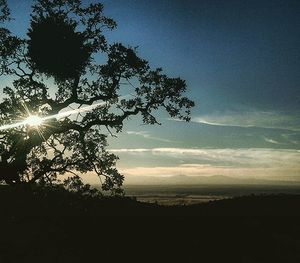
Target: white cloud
pixel 218 122
pixel 252 157
pixel 147 135
pixel 271 140
pixel 292 137
pixel 260 163
pixel 248 119
pixel 129 150
pixel 276 173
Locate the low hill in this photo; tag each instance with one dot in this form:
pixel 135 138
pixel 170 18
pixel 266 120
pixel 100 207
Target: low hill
pixel 58 226
pixel 39 202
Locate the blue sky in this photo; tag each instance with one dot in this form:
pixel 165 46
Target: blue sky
pixel 241 62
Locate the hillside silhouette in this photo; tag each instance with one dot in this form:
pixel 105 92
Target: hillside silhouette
pixel 61 226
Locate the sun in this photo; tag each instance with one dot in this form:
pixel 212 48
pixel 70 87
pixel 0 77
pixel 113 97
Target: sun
pixel 33 121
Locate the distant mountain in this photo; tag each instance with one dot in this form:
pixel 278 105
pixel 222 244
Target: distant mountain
pixel 198 180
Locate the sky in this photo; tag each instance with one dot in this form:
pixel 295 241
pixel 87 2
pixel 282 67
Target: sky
pixel 241 63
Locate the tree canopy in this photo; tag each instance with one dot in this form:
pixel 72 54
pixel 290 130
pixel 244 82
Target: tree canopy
pixel 65 62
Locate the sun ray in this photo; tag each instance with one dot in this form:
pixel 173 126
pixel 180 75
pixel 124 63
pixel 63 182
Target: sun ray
pixel 34 120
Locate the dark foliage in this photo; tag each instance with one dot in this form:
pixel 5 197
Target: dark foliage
pixel 54 48
pixel 4 11
pixel 61 54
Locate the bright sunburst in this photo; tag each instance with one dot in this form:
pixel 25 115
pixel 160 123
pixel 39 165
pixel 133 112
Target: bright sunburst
pixel 33 121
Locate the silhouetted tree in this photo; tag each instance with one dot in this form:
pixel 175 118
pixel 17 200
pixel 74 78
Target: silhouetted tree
pixel 65 61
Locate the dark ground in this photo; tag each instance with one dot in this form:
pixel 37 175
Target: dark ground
pixel 62 227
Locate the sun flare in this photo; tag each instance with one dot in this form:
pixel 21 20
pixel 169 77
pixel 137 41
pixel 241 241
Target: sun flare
pixel 33 121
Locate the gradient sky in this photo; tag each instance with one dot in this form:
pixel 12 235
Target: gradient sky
pixel 241 60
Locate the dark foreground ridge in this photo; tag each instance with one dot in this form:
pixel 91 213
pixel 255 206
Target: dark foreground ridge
pixel 59 226
pixel 49 202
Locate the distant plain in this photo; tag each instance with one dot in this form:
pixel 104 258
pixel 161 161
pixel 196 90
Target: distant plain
pixel 194 194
